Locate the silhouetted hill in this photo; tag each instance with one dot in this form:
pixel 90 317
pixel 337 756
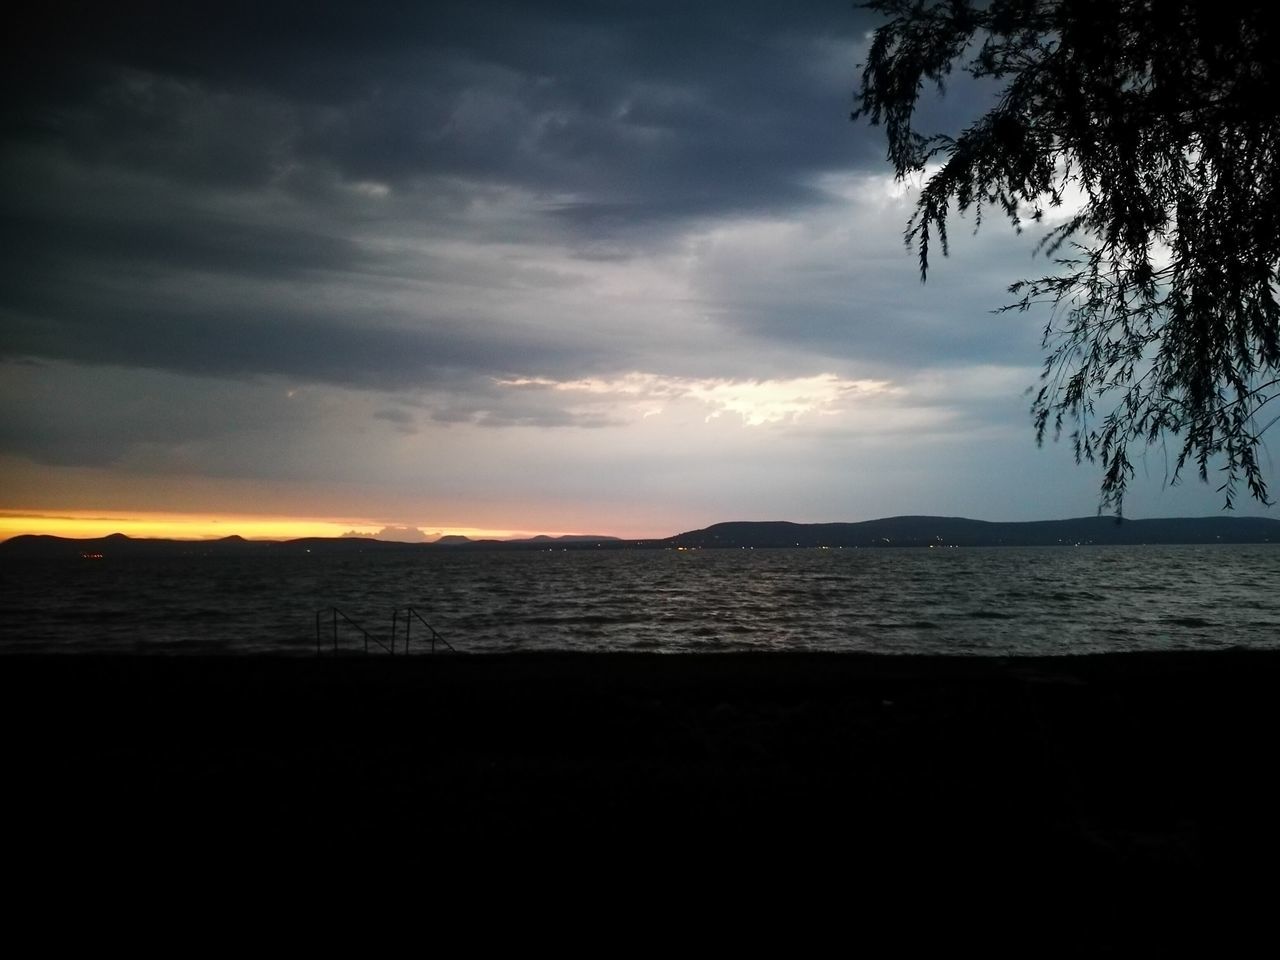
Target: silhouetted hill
pixel 339 545
pixel 889 532
pixel 119 545
pixel 961 532
pixel 566 538
pixel 569 542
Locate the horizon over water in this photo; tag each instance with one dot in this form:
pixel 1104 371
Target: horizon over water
pixel 979 600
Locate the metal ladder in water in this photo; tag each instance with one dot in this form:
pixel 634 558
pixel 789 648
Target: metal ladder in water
pixel 337 617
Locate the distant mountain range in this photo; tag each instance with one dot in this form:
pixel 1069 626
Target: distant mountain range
pixel 889 532
pixel 117 544
pixel 961 532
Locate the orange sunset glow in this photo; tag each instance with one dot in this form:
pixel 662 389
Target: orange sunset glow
pixel 186 526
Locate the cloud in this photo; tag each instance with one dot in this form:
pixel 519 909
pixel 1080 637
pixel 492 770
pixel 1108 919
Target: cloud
pixel 402 535
pixel 403 420
pixel 403 198
pixel 755 402
pixel 426 254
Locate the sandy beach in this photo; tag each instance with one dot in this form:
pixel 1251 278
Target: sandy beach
pixel 1129 778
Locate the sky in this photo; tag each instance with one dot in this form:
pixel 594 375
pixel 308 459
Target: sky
pixel 282 269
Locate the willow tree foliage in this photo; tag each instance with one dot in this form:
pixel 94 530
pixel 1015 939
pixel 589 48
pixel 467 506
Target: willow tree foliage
pixel 1157 122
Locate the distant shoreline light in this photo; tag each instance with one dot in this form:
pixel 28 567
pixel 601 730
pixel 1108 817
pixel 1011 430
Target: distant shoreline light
pixel 181 526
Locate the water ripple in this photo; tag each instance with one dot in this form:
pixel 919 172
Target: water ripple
pixel 982 601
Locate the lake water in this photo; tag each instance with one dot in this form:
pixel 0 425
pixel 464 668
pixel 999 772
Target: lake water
pixel 1050 600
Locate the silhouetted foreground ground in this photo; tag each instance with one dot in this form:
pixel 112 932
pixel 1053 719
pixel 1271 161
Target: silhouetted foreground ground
pixel 1137 793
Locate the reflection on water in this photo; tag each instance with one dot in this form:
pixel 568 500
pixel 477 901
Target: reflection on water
pixel 982 600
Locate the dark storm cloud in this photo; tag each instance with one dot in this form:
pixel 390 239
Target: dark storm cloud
pixel 53 248
pixel 160 160
pixel 242 189
pixel 652 99
pixel 288 339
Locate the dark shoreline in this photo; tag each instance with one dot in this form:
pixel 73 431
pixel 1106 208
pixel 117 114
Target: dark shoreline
pixel 887 532
pixel 1126 772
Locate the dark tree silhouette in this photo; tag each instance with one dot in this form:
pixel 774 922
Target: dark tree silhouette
pixel 1164 116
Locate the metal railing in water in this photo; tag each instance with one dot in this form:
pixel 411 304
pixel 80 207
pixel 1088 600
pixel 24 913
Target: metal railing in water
pixel 410 614
pixel 337 618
